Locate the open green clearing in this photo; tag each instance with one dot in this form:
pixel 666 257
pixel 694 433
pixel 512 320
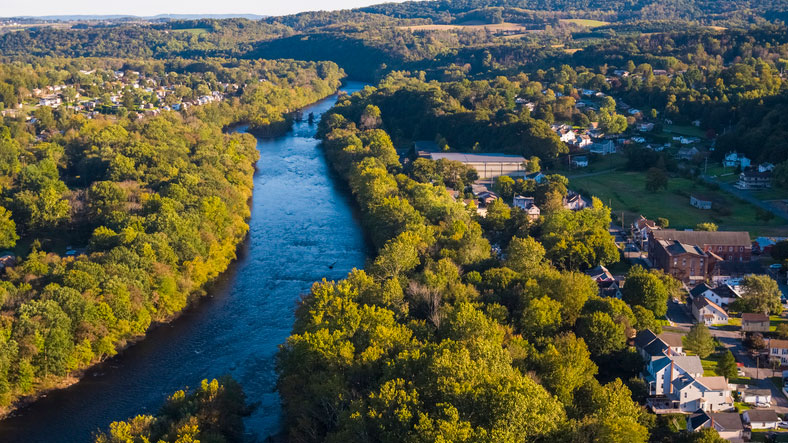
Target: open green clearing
pixel 585 22
pixel 193 31
pixel 688 131
pixel 625 191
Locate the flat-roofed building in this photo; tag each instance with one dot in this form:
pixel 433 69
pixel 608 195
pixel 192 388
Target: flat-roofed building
pixel 487 165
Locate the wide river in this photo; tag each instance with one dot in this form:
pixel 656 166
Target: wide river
pixel 302 223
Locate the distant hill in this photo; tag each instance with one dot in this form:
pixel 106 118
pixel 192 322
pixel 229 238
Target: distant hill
pixel 160 17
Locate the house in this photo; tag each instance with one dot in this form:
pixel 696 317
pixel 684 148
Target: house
pixel 565 133
pixel 645 127
pixel 486 165
pixel 486 197
pixel 610 289
pixel 778 349
pixel 733 159
pixel 621 73
pixel 700 201
pixel 527 204
pixel 706 393
pixel 575 202
pixel 754 322
pixel 667 343
pixel 754 179
pixel 603 148
pixel 755 396
pixel 761 418
pixel 724 295
pixel 691 255
pixel 640 229
pixel 764 167
pixel 727 424
pixel 599 273
pixel 685 262
pixel 580 161
pixel 537 176
pixel 581 141
pixel 708 312
pixel 51 101
pixel 687 153
pixel 661 371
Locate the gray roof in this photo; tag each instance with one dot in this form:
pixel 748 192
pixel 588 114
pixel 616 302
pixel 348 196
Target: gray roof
pixel 762 415
pixel 673 339
pixel 757 391
pixel 728 421
pixel 477 158
pixel 689 363
pixel 733 238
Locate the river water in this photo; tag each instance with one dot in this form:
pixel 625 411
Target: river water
pixel 302 223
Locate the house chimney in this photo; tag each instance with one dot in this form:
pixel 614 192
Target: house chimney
pixel 670 389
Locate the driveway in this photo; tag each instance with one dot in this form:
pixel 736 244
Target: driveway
pixel 681 321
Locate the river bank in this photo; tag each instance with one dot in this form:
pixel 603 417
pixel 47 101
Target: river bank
pixel 302 222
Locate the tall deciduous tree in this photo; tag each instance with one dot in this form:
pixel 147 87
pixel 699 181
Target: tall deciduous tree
pixel 699 340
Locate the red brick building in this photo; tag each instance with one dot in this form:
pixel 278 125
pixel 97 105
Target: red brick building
pixel 691 256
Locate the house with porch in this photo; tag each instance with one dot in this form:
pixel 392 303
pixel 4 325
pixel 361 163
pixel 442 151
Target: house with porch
pixel 707 312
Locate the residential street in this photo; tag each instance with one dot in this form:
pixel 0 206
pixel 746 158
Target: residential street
pixel 746 196
pixel 681 321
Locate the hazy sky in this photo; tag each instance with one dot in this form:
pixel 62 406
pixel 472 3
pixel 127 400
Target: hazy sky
pixel 11 8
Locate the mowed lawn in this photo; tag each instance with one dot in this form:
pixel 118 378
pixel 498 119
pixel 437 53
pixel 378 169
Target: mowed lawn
pixel 625 191
pixel 585 22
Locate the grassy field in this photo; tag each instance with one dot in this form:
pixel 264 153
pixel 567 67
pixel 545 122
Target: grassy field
pixel 585 22
pixel 689 131
pixel 625 191
pixel 193 31
pixel 516 27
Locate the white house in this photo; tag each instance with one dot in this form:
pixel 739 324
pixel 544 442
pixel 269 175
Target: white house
pixel 778 349
pixel 756 396
pixel 761 418
pixel 527 204
pixel 722 295
pixel 708 312
pixel 580 161
pixel 733 159
pixel 707 393
pixel 661 372
pixel 640 229
pixel 603 148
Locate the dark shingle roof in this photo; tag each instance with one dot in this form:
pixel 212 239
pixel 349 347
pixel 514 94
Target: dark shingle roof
pixel 656 347
pixel 698 419
pixel 733 238
pixel 644 338
pixel 700 289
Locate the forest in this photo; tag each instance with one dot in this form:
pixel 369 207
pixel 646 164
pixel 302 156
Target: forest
pixel 118 220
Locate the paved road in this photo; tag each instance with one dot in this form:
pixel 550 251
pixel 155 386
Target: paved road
pixel 681 320
pixel 746 196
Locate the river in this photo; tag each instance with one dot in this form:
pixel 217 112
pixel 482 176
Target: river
pixel 302 223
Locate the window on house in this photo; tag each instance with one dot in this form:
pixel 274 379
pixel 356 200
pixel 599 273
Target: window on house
pixel 741 248
pixel 730 248
pixel 683 262
pixel 719 249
